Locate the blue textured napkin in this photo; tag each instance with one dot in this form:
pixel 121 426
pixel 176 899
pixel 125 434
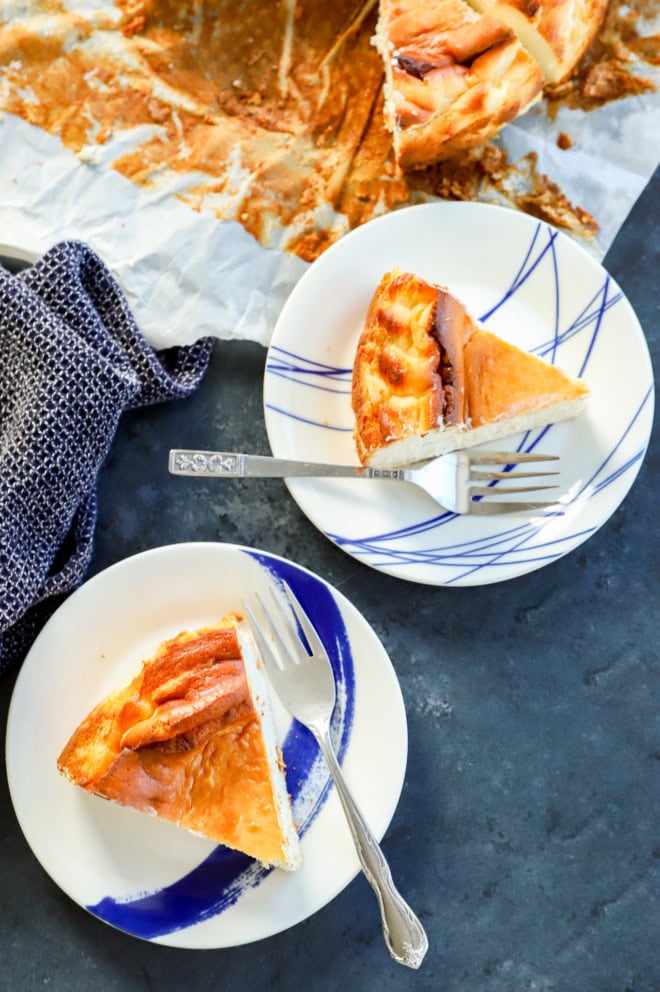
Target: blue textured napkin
pixel 71 360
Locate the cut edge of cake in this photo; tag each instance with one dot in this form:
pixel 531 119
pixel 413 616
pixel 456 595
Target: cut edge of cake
pixel 291 853
pixel 441 440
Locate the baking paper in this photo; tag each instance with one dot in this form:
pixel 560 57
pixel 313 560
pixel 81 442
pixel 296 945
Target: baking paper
pixel 188 274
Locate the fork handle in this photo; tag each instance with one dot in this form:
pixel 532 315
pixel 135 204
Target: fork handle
pixel 404 934
pixel 237 465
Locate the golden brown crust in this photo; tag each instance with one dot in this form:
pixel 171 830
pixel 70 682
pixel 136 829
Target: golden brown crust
pixel 453 78
pixel 557 33
pixel 190 680
pixel 457 72
pixel 395 387
pixel 183 742
pixel 569 28
pixel 423 365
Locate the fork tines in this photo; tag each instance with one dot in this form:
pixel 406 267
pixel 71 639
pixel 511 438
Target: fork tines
pixel 480 474
pixel 490 476
pixel 507 457
pixel 485 479
pixel 285 624
pixel 491 507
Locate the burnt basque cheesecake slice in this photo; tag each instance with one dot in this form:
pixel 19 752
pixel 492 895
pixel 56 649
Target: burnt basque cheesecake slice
pixel 190 740
pixel 428 379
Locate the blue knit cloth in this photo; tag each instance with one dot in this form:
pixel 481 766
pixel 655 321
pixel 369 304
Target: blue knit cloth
pixel 71 360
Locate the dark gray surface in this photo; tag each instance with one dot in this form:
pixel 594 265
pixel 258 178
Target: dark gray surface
pixel 526 828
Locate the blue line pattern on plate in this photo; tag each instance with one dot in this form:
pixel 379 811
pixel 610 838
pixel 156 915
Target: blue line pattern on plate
pixel 307 372
pixel 218 882
pixel 310 373
pixel 308 420
pixel 591 316
pixel 510 545
pixel 529 263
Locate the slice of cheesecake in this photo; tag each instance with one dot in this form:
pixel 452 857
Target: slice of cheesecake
pixel 428 379
pixel 190 739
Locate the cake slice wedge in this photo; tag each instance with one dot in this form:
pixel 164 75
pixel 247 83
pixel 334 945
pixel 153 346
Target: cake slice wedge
pixel 191 740
pixel 428 379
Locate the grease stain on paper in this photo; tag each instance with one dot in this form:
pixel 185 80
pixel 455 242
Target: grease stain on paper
pixel 269 114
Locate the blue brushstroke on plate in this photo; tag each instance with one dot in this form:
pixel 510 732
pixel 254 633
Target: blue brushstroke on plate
pixel 218 882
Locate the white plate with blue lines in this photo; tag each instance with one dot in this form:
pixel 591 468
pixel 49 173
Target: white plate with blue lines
pixel 525 281
pixel 145 876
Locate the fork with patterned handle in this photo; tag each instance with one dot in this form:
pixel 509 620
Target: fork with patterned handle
pixel 451 479
pixel 304 681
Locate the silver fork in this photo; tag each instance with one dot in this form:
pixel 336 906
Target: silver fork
pixel 451 479
pixel 305 684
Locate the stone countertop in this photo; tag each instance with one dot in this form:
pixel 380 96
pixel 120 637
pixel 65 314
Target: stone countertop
pixel 525 832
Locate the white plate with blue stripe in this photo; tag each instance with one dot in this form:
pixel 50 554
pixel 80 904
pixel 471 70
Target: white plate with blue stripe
pixel 527 282
pixel 145 876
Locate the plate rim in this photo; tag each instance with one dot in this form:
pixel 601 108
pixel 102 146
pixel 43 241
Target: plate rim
pixel 350 614
pixel 18 253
